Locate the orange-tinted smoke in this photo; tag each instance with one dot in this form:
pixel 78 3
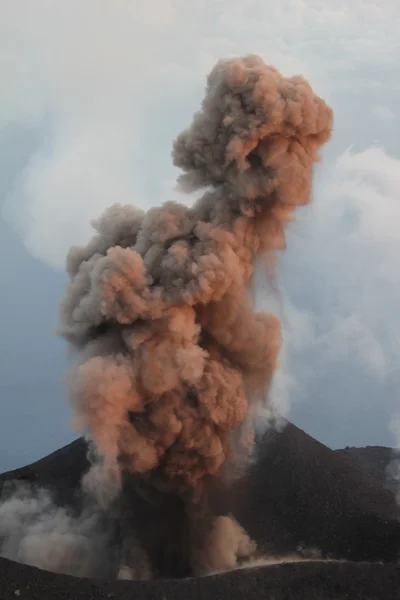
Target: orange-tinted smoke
pixel 170 353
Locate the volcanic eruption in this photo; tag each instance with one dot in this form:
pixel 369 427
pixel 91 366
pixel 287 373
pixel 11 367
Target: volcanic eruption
pixel 170 358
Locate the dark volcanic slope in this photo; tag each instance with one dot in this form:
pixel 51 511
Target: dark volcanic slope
pixel 298 492
pixel 302 493
pixel 379 461
pixel 61 470
pixel 301 581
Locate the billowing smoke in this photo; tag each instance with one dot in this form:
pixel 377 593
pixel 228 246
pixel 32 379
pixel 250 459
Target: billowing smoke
pixel 170 358
pixel 171 355
pixel 37 532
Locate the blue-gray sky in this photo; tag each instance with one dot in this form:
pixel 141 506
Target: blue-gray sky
pixel 92 94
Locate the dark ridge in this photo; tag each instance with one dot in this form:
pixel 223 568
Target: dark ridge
pixel 291 581
pixel 381 462
pixel 60 472
pixel 66 464
pixel 301 493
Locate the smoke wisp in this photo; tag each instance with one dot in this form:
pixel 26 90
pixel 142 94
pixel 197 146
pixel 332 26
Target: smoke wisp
pixel 37 532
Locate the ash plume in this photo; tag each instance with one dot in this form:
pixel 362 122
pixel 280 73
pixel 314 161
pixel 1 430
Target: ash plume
pixel 170 356
pixel 172 352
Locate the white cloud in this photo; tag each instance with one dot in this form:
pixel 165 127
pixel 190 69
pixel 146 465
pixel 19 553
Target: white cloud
pixel 382 112
pixel 110 83
pixel 347 269
pixel 351 338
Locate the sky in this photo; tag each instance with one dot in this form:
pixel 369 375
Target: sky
pixel 92 94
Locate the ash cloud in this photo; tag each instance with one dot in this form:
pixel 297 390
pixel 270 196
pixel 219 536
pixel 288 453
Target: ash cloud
pixel 171 355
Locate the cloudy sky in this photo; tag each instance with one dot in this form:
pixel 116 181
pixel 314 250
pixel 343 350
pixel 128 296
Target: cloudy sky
pixel 93 93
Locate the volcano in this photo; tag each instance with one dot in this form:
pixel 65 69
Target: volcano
pixel 297 495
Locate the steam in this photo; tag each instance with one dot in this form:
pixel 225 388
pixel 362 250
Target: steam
pixel 171 356
pixel 37 532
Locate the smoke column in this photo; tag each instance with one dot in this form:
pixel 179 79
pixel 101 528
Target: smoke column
pixel 170 355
